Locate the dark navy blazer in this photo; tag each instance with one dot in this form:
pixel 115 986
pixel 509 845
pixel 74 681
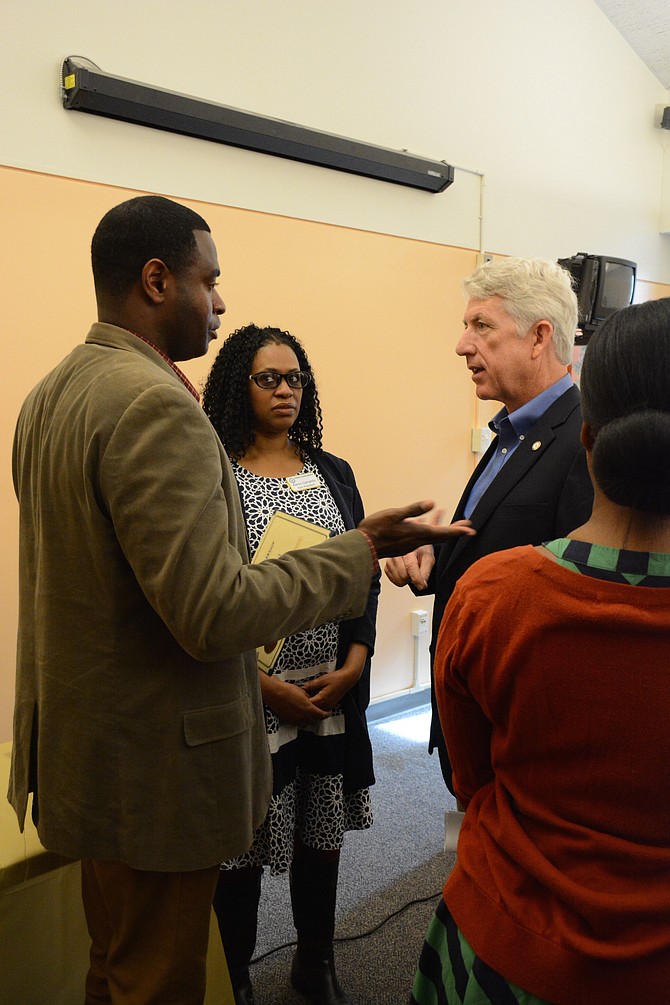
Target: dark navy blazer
pixel 542 492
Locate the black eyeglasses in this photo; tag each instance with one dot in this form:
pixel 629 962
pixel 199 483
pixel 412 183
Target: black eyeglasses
pixel 270 379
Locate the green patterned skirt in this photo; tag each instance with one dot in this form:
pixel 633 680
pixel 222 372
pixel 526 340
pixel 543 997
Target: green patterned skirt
pixel 450 973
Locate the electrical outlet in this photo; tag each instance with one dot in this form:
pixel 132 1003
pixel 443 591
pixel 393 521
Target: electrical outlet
pixel 481 439
pixel 483 258
pixel 419 623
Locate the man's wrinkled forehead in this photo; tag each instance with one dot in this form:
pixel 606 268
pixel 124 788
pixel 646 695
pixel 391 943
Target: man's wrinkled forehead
pixel 490 310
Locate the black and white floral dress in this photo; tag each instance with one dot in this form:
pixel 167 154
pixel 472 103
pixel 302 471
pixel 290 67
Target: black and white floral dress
pixel 309 795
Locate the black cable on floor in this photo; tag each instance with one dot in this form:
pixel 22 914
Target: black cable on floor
pixel 354 938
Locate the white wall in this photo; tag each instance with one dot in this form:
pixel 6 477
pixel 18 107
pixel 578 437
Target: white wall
pixel 541 96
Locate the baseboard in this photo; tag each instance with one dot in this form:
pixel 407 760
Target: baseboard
pixel 389 708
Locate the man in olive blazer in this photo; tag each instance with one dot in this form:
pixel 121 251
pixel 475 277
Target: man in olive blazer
pixel 134 560
pixel 138 722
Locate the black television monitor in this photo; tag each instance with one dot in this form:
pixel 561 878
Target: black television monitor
pixel 603 284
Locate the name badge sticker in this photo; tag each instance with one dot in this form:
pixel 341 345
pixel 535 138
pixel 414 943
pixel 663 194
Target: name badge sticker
pixel 300 483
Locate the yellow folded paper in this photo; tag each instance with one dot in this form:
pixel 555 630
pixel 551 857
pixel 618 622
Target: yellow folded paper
pixel 284 533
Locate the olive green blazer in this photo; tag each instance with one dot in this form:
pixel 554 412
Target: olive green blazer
pixel 138 721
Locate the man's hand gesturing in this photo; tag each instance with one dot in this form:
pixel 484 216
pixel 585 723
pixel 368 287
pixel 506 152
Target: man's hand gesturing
pixel 398 532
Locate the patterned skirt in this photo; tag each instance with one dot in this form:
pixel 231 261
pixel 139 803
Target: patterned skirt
pixel 450 973
pixel 310 798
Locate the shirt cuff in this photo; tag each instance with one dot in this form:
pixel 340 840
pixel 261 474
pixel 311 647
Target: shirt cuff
pixel 373 551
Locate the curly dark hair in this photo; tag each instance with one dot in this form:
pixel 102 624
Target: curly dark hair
pixel 226 393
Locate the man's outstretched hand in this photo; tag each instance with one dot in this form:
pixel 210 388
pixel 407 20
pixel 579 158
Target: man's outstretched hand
pixel 397 531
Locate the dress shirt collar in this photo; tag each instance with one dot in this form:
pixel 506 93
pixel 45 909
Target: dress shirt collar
pixel 182 376
pixel 524 418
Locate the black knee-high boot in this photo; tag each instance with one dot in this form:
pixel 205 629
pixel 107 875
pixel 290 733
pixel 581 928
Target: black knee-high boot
pixel 313 880
pixel 236 907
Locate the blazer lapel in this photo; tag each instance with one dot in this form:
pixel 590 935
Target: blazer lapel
pixel 453 547
pixel 528 453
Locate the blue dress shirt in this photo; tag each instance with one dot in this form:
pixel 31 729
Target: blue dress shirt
pixel 511 429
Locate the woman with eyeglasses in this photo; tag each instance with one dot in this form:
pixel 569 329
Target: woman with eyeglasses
pixel 262 400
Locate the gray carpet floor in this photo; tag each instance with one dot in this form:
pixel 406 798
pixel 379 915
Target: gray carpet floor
pixel 399 865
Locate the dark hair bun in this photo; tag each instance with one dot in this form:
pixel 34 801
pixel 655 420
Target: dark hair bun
pixel 630 460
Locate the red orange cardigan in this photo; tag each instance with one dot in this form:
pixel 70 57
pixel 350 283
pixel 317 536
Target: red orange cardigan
pixel 554 696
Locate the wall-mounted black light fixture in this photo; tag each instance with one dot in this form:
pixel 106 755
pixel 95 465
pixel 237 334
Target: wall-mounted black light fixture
pixel 87 88
pixel 665 121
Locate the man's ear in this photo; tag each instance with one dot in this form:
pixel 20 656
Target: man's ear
pixel 542 333
pixel 586 437
pixel 154 280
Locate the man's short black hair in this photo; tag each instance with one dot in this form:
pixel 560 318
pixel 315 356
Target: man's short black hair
pixel 134 232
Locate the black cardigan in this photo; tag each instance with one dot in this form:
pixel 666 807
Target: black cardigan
pixel 358 770
pixel 339 477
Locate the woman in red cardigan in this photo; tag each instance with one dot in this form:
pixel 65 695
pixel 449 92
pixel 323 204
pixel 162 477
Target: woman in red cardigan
pixel 553 682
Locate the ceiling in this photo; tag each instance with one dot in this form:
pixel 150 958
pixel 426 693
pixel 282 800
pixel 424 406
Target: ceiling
pixel 645 25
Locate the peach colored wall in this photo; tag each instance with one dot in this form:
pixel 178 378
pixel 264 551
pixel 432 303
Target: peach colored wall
pixel 378 315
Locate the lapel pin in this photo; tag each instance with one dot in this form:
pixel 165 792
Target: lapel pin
pixel 536 445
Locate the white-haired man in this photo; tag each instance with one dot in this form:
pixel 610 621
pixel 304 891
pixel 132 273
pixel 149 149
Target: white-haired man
pixel 532 484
